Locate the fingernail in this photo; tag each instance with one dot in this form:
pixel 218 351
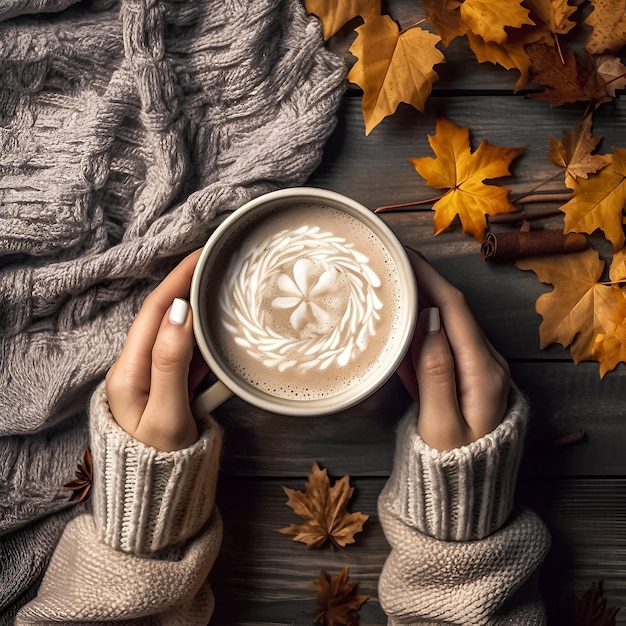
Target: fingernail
pixel 433 323
pixel 179 311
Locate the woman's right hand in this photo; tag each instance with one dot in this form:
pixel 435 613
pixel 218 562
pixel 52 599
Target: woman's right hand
pixel 461 380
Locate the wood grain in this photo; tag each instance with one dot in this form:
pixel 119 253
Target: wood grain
pixel 263 577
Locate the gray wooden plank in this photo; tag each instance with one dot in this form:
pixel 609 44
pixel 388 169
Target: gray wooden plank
pixel 264 577
pixel 375 169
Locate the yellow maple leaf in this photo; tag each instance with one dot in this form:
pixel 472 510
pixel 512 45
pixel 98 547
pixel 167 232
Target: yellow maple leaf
pixel 334 14
pixel 511 54
pixel 609 346
pixel 324 510
pixel 580 313
pixel 508 56
pixel 617 271
pixel 489 19
pixel 393 66
pixel 461 171
pixel 555 14
pixel 598 201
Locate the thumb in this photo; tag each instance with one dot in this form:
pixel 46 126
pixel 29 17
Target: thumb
pixel 440 424
pixel 167 422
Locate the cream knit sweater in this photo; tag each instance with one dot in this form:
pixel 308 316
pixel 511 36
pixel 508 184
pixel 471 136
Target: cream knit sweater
pixel 460 554
pixel 148 546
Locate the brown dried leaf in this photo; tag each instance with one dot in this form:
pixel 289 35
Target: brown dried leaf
pixel 335 595
pixel 574 80
pixel 575 151
pixel 324 510
pixel 592 610
pixel 611 70
pixel 334 15
pixel 81 485
pixel 608 23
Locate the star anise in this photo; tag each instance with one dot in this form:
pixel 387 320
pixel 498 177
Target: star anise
pixel 81 485
pixel 591 609
pixel 336 597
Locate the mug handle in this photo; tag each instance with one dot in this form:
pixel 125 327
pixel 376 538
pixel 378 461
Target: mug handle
pixel 210 399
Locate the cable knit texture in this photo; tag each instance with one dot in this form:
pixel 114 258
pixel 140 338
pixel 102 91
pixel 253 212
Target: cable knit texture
pixel 482 572
pixel 146 503
pixel 128 128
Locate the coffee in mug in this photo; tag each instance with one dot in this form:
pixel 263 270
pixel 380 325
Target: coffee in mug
pixel 304 302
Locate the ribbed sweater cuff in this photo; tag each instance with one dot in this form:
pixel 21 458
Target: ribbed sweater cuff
pixel 462 494
pixel 146 500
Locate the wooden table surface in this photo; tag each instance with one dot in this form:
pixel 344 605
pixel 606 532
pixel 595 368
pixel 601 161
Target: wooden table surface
pixel 261 576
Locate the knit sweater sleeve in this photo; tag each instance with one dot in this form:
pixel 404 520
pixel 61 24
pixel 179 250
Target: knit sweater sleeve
pixel 460 552
pixel 149 543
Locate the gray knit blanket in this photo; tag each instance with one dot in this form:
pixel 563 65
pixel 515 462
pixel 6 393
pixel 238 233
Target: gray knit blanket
pixel 127 129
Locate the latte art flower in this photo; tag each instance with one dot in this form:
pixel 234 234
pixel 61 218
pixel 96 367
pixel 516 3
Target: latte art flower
pixel 301 299
pixel 310 294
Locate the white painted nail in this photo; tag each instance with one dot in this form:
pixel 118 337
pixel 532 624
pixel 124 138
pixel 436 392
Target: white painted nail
pixel 434 320
pixel 179 311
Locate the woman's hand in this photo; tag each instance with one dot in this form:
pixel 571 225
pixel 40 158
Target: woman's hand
pixel 147 387
pixel 462 382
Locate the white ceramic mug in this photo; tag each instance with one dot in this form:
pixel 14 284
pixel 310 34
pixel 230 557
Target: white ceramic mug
pixel 304 303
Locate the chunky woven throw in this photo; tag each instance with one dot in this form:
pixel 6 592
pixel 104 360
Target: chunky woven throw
pixel 126 130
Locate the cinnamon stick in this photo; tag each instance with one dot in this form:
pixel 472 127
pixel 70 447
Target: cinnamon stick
pixel 513 245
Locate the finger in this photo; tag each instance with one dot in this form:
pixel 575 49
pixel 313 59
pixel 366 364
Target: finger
pixel 129 379
pixel 440 422
pixel 176 284
pixel 167 422
pixel 466 338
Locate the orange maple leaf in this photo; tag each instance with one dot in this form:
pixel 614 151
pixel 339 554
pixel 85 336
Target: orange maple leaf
pixel 489 19
pixel 324 510
pixel 461 171
pixel 580 313
pixel 334 15
pixel 336 597
pixel 575 152
pixel 598 201
pixel 608 24
pixel 393 66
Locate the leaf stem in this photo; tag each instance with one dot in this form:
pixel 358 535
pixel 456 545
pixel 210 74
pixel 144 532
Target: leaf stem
pixel 558 47
pixel 405 205
pixel 418 23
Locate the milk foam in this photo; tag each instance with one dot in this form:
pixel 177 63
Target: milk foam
pixel 302 309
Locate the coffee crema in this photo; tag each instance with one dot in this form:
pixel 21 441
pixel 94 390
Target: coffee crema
pixel 304 302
